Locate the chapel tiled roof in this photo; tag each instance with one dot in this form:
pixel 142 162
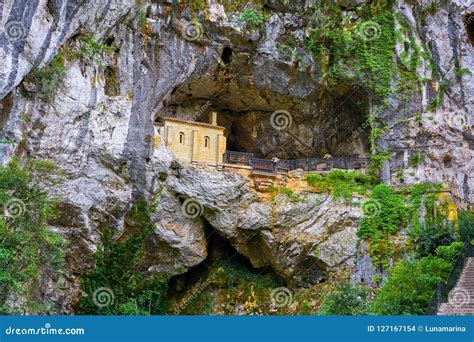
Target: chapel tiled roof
pixel 191 122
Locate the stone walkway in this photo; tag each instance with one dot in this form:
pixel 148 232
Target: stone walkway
pixel 461 298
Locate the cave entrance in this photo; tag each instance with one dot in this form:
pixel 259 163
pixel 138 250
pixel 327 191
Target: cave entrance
pixel 468 20
pixel 5 107
pixel 253 120
pixel 222 275
pixel 338 130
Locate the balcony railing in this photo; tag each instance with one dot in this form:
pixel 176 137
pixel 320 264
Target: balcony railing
pixel 238 158
pixel 264 165
pixel 283 166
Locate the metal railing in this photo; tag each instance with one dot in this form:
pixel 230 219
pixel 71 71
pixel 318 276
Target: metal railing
pixel 441 293
pixel 283 166
pixel 264 165
pixel 238 158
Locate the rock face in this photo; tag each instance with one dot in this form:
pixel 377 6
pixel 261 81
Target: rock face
pixel 98 128
pixel 442 135
pixel 301 240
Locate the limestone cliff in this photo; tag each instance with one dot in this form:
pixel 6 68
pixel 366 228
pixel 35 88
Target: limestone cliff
pixel 122 63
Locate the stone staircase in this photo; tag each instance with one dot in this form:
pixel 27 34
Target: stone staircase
pixel 461 298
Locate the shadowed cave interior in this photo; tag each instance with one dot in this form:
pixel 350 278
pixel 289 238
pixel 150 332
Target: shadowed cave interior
pixel 335 125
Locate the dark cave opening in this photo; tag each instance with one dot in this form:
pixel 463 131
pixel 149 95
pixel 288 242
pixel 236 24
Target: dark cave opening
pixel 340 130
pixel 5 107
pixel 109 41
pixel 335 125
pixel 468 20
pixel 112 83
pixel 227 55
pixel 220 253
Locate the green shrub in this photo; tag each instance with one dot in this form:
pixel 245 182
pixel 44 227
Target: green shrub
pixel 466 226
pixel 423 195
pixel 450 252
pixel 287 192
pixel 236 274
pixel 416 159
pixel 28 247
pixel 385 213
pixel 346 300
pixel 305 308
pixel 50 79
pixel 430 7
pixel 91 49
pixel 250 17
pixel 378 158
pixel 433 233
pixel 340 183
pixel 117 269
pixel 338 42
pixel 388 213
pixel 435 103
pixel 409 286
pixel 231 281
pixel 459 72
pixel 198 5
pixel 291 195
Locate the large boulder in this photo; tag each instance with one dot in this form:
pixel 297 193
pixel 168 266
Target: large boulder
pixel 301 240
